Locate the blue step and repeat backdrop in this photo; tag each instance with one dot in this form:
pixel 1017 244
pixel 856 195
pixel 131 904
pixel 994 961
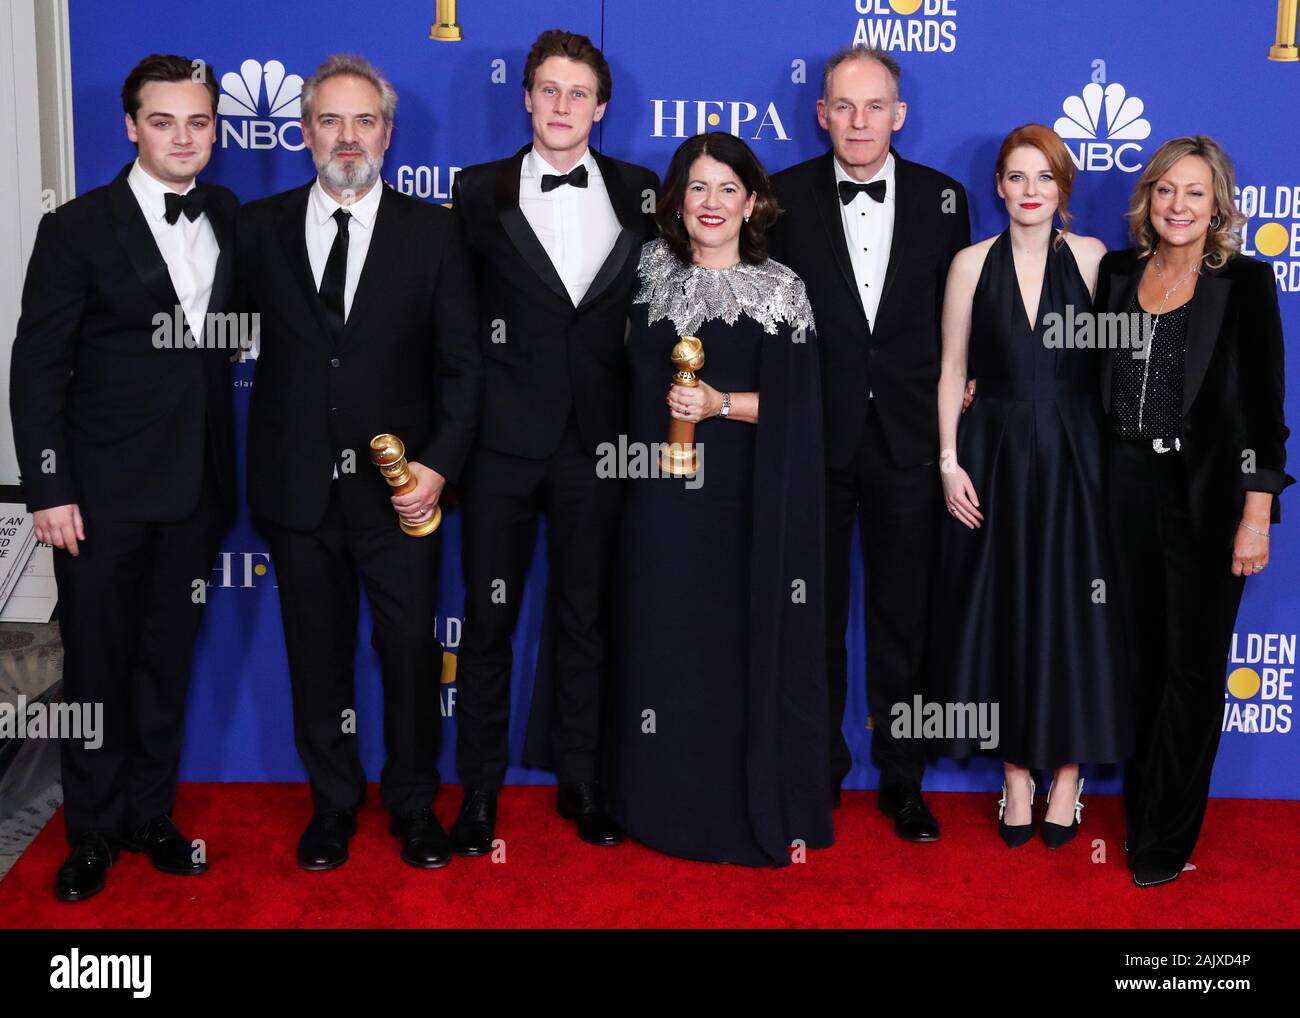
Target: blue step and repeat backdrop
pixel 1115 79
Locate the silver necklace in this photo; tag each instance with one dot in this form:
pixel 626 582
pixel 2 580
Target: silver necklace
pixel 1146 368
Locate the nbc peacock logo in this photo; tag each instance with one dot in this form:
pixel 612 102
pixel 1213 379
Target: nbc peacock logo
pixel 260 107
pixel 1261 684
pixel 1102 127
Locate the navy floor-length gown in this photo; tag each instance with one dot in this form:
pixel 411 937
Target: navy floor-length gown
pixel 720 702
pixel 1023 616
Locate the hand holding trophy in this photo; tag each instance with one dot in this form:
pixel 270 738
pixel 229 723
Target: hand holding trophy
pixel 678 458
pixel 389 454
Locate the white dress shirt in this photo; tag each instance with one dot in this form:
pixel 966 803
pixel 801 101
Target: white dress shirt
pixel 322 229
pixel 576 225
pixel 869 232
pixel 190 249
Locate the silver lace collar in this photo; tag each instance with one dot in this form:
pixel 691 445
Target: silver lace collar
pixel 690 295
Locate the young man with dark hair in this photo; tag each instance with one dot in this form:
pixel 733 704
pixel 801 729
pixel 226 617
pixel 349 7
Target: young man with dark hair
pixel 124 445
pixel 556 231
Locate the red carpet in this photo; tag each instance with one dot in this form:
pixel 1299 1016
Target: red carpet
pixel 1246 875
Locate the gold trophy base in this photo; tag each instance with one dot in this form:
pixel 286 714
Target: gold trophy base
pixel 1284 52
pixel 445 33
pixel 678 460
pixel 422 529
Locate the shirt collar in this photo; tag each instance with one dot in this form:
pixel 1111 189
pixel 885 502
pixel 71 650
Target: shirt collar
pixel 150 191
pixel 534 165
pixel 885 173
pixel 363 210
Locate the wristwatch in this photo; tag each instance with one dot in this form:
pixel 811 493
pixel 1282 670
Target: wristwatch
pixel 726 405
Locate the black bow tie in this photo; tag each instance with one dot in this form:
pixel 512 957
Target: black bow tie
pixel 850 190
pixel 576 176
pixel 191 204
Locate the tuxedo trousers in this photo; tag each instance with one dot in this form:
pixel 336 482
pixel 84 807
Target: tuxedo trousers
pixel 130 604
pixel 320 574
pixel 896 512
pixel 502 499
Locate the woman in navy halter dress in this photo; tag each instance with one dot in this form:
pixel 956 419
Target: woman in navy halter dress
pixel 1021 616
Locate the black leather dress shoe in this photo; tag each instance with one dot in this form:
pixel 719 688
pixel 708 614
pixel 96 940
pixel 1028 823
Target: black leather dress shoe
pixel 913 820
pixel 582 802
pixel 83 873
pixel 1149 874
pixel 475 824
pixel 425 844
pixel 324 844
pixel 168 849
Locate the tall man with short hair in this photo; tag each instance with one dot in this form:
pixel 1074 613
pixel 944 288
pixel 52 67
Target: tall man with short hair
pixel 872 234
pixel 368 326
pixel 556 231
pixel 122 427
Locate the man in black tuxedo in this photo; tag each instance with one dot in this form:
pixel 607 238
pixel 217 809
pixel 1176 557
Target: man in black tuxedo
pixel 368 326
pixel 556 231
pixel 871 235
pixel 120 396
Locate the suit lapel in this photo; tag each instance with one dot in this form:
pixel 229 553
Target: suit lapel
pixel 222 229
pixel 626 208
pixel 827 199
pixel 136 238
pixel 381 257
pixel 292 228
pixel 1123 287
pixel 515 223
pixel 1204 322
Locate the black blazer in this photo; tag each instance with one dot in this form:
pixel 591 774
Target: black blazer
pixel 552 357
pixel 1233 382
pixel 407 362
pixel 898 359
pixel 102 417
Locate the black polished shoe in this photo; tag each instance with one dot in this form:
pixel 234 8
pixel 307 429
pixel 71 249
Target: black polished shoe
pixel 471 834
pixel 913 820
pixel 83 873
pixel 324 844
pixel 168 849
pixel 425 844
pixel 581 802
pixel 1150 874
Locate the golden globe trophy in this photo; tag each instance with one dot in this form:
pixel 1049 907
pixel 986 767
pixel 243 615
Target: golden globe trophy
pixel 678 459
pixel 389 454
pixel 1285 48
pixel 445 28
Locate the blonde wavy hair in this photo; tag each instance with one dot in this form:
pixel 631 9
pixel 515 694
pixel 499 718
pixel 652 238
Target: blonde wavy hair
pixel 1223 240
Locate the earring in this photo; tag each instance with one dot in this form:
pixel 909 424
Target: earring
pixel 679 213
pixel 1215 222
pixel 747 219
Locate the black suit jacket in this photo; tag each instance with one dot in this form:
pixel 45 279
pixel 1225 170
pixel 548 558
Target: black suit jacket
pixel 102 416
pixel 898 359
pixel 1234 377
pixel 552 357
pixel 407 362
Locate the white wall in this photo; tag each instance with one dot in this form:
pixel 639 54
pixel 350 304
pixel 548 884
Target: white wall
pixel 35 159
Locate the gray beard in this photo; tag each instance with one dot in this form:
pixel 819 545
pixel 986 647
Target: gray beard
pixel 358 176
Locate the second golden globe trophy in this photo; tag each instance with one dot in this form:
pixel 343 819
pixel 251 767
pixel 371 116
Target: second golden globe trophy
pixel 389 454
pixel 678 459
pixel 1284 48
pixel 445 27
